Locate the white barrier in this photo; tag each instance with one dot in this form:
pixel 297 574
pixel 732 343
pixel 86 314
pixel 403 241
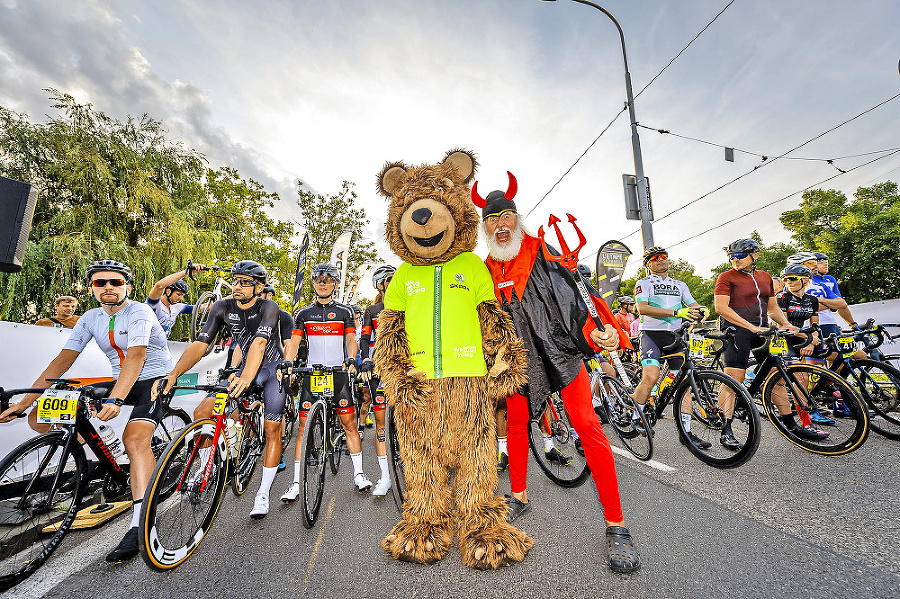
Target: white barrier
pixel 25 351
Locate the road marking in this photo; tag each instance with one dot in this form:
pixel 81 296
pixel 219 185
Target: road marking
pixel 318 546
pixel 651 463
pixel 62 565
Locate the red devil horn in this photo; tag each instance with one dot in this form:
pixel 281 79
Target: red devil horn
pixel 477 199
pixel 513 187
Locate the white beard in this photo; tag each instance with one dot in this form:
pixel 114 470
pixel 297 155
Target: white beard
pixel 504 253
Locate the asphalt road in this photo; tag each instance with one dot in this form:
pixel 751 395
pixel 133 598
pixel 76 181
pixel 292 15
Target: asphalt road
pixel 786 524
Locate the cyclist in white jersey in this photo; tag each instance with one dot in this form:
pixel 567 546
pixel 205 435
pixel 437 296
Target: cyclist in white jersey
pixel 329 330
pixel 662 303
pixel 165 298
pixel 135 344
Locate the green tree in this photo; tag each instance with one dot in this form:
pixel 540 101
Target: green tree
pixel 861 237
pixel 326 218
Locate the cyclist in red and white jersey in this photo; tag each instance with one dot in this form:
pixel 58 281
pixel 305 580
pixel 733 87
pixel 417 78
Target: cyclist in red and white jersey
pixel 329 332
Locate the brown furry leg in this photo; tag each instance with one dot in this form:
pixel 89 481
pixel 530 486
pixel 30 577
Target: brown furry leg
pixel 486 539
pixel 425 532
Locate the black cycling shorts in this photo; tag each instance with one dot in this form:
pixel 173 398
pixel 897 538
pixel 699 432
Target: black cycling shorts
pixel 652 343
pixel 139 397
pixel 343 397
pixel 378 401
pixel 737 349
pixel 273 397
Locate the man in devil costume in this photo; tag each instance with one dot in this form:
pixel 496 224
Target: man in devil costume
pixel 549 315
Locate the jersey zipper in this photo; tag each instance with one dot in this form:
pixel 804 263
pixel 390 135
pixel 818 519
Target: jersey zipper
pixel 758 297
pixel 437 322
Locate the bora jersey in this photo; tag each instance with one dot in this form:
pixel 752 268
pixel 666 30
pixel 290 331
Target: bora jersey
pixel 440 302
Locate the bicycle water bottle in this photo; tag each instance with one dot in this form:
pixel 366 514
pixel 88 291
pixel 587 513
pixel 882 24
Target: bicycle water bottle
pixel 665 383
pixel 109 437
pixel 231 436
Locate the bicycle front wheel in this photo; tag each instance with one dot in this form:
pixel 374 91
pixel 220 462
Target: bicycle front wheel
pixel 395 463
pixel 313 457
pixel 41 486
pixel 250 448
pixel 338 443
pixel 709 419
pixel 878 383
pixel 636 434
pixel 172 527
pixel 555 445
pixel 815 388
pixel 169 427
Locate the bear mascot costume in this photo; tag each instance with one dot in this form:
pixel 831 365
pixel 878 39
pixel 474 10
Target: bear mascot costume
pixel 446 352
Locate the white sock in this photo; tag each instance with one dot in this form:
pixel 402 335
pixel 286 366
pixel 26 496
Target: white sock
pixel 356 458
pixel 136 514
pixel 548 442
pixel 383 462
pixel 686 422
pixel 268 477
pixel 501 444
pixel 297 468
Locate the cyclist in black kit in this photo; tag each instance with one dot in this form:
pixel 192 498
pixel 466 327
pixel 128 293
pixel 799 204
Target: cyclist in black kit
pixel 254 326
pixel 329 330
pixel 381 278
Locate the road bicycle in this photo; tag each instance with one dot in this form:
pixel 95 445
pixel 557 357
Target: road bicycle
pixel 201 310
pixel 565 464
pixel 175 517
pixel 47 479
pixel 696 390
pixel 616 407
pixel 324 438
pixel 802 389
pixel 875 380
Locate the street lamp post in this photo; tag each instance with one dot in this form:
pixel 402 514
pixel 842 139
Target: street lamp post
pixel 642 188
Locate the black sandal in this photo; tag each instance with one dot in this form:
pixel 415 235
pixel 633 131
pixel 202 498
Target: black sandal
pixel 623 557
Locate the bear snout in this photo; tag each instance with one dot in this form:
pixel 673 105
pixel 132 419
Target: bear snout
pixel 421 216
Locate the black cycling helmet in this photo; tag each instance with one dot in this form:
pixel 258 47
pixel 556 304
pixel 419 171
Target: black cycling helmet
pixel 820 256
pixel 796 270
pixel 654 251
pixel 268 289
pixel 381 273
pixel 110 266
pixel 626 300
pixel 179 286
pixel 325 268
pixel 585 271
pixel 249 268
pixel 742 245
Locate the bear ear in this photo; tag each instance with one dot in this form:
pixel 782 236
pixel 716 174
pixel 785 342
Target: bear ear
pixel 463 161
pixel 391 178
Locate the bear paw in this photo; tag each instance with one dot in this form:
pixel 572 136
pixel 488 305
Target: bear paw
pixel 419 542
pixel 499 545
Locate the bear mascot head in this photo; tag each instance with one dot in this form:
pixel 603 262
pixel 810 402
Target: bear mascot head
pixel 446 353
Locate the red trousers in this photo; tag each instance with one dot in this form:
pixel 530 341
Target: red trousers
pixel 577 401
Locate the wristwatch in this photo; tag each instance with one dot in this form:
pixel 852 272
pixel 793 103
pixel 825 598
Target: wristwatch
pixel 116 400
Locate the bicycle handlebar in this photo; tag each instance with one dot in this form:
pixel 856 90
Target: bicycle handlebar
pixel 774 331
pixel 90 395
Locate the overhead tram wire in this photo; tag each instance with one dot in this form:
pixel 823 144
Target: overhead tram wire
pixel 626 106
pixel 782 199
pixel 768 162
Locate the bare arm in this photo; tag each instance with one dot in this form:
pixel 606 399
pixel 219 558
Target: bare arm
pixel 191 356
pixel 128 374
pixel 775 313
pixel 251 367
pixel 160 286
pixel 728 313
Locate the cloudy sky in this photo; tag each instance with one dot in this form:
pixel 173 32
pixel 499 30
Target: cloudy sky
pixel 329 91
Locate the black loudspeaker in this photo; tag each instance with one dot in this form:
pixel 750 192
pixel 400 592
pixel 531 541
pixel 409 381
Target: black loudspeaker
pixel 17 200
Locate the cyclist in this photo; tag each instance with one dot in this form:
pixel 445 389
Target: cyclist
pixel 745 300
pixel 627 312
pixel 329 331
pixel 800 307
pixel 362 386
pixel 65 306
pixel 165 298
pixel 254 326
pixel 135 344
pixel 662 303
pixel 381 278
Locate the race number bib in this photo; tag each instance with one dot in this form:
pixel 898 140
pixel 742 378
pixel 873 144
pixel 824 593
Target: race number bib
pixel 323 384
pixel 847 345
pixel 221 402
pixel 57 406
pixel 698 346
pixel 778 347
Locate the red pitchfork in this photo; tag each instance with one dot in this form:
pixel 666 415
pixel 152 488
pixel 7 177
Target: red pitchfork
pixel 569 258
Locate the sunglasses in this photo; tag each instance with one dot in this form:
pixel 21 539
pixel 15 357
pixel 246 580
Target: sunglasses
pixel 323 280
pixel 102 282
pixel 738 255
pixel 793 278
pixel 658 258
pixel 243 282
